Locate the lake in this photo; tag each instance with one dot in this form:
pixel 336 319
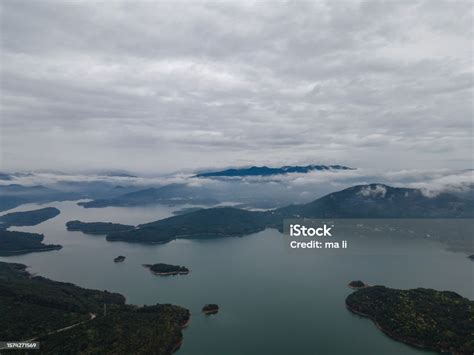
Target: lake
pixel 272 301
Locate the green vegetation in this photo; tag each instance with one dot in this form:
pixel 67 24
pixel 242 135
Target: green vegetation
pixel 435 320
pixel 13 243
pixel 34 307
pixel 211 308
pixel 97 227
pixel 167 269
pixel 28 218
pixel 208 223
pixel 365 201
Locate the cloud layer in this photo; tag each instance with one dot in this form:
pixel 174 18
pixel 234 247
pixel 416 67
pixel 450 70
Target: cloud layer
pixel 165 86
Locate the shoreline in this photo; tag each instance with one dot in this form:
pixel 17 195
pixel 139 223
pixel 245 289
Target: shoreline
pixel 390 334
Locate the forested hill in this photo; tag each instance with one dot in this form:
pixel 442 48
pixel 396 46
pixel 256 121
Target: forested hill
pixel 34 307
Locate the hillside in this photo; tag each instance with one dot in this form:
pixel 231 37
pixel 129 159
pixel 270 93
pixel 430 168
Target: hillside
pixel 382 201
pixel 35 307
pixel 15 243
pixel 364 201
pixel 207 223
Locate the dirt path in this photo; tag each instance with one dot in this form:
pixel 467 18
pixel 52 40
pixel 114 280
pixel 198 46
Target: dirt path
pixel 92 317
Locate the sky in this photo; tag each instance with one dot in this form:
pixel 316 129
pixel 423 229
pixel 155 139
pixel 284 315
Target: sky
pixel 168 86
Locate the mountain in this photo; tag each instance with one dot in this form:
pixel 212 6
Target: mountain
pixel 14 195
pixel 168 194
pixel 267 171
pixel 363 201
pixel 382 201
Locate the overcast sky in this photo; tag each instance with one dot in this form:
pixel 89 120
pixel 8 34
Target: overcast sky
pixel 165 86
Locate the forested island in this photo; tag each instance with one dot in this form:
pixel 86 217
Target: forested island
pixel 35 308
pixel 97 227
pixel 441 321
pixel 28 218
pixel 167 269
pixel 14 243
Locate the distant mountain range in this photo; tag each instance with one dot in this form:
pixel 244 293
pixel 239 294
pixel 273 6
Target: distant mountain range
pixel 14 195
pixel 169 194
pixel 362 201
pixel 268 171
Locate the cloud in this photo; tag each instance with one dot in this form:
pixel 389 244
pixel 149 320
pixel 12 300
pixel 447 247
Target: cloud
pixel 165 86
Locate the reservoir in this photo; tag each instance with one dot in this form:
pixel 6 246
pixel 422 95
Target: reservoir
pixel 271 301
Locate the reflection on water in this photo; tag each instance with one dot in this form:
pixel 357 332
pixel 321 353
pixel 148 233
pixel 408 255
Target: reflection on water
pixel 272 301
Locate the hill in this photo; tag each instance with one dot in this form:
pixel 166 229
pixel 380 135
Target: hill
pixel 15 243
pixel 363 201
pixel 34 307
pixel 206 223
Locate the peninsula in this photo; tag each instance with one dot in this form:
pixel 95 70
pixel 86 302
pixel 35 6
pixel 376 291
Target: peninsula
pixel 15 243
pixel 68 319
pixel 28 218
pixel 97 227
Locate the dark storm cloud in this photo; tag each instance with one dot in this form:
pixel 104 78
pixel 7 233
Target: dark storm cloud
pixel 160 86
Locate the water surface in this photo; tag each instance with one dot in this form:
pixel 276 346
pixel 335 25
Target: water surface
pixel 272 301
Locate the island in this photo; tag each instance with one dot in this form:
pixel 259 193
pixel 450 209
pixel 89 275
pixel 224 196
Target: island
pixel 97 227
pixel 211 308
pixel 357 284
pixel 440 321
pixel 119 259
pixel 28 218
pixel 15 243
pixel 167 269
pixel 471 257
pixel 35 308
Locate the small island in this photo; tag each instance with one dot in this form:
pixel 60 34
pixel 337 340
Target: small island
pixel 119 259
pixel 357 284
pixel 471 257
pixel 15 243
pixel 97 227
pixel 162 269
pixel 440 321
pixel 28 218
pixel 211 308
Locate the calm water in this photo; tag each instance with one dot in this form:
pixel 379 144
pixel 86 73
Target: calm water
pixel 272 301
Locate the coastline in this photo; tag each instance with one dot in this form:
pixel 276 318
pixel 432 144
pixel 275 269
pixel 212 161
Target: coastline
pixel 407 341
